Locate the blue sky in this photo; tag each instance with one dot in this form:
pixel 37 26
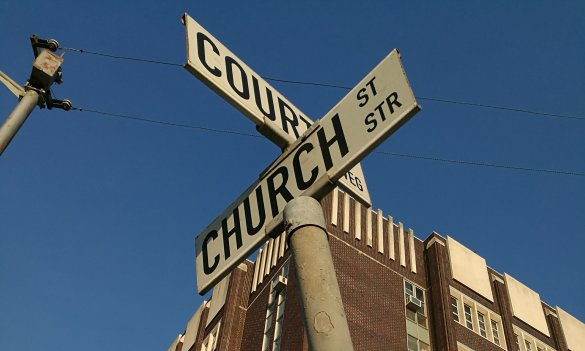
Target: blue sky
pixel 98 214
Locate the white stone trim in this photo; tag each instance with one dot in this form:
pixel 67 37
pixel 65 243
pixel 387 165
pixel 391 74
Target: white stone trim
pixel 275 250
pixel 369 227
pixel 345 216
pixel 411 253
pixel 357 221
pixel 380 230
pixel 391 250
pixel 256 270
pixel 401 250
pixel 334 206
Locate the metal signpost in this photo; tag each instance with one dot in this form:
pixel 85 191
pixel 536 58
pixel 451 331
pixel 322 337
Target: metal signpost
pixel 369 113
pixel 275 117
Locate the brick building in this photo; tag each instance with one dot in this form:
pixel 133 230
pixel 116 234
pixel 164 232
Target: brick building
pixel 399 293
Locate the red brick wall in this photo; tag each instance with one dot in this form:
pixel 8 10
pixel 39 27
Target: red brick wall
pixel 473 340
pixel 372 289
pixel 444 337
pixel 373 297
pixel 233 314
pixel 293 331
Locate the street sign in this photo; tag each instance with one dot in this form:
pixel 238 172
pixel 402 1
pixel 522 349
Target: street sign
pixel 372 110
pixel 275 117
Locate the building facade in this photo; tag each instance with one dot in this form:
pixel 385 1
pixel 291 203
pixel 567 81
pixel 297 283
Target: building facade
pixel 399 293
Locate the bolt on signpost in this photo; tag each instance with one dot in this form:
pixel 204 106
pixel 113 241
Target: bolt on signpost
pixel 376 107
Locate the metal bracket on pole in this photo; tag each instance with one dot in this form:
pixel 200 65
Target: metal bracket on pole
pixel 46 70
pixel 65 104
pixel 37 43
pixel 52 45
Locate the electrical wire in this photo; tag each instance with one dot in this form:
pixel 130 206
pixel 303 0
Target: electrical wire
pixel 384 153
pixel 326 85
pixel 513 109
pixel 82 51
pixel 481 164
pixel 170 124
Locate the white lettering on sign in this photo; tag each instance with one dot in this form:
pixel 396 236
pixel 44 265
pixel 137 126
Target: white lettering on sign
pixel 338 141
pixel 215 65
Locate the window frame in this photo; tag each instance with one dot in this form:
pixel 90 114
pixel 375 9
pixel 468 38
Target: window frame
pixel 421 317
pixel 275 311
pixel 417 343
pixel 468 316
pixel 524 338
pixel 454 308
pixel 278 322
pixel 475 309
pixel 495 331
pixel 481 324
pixel 210 341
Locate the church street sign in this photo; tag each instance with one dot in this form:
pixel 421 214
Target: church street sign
pixel 366 116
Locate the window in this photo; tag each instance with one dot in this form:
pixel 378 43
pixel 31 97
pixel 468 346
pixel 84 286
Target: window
pixel 408 288
pixel 415 344
pixel 496 333
pixel 269 320
pixel 468 317
pixel 454 309
pixel 275 311
pixel 481 323
pixel 529 342
pixel 279 319
pixel 477 318
pixel 462 347
pixel 412 343
pixel 415 296
pixel 210 342
pixel 416 318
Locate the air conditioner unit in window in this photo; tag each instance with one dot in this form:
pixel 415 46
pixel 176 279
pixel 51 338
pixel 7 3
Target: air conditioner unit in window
pixel 279 284
pixel 414 304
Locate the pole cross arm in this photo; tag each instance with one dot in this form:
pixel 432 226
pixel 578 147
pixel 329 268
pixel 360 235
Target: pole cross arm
pixel 14 87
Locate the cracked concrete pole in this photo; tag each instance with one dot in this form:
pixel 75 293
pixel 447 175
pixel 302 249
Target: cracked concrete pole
pixel 323 312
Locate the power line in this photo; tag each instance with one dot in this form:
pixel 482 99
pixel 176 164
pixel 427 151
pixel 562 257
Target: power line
pixel 326 85
pixel 481 164
pixel 384 153
pixel 82 51
pixel 513 109
pixel 170 124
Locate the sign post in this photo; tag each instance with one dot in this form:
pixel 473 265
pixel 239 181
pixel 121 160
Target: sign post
pixel 275 117
pixel 324 315
pixel 366 116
